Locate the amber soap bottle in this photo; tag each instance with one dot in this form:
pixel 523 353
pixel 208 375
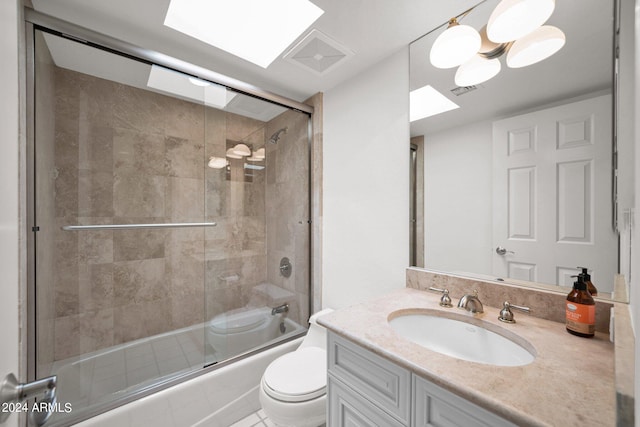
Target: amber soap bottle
pixel 580 310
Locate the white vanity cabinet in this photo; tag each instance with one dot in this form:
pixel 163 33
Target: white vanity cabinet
pixel 366 390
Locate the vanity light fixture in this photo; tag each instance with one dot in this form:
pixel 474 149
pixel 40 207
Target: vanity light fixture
pixel 535 47
pixel 515 27
pixel 477 70
pixel 513 19
pixel 456 45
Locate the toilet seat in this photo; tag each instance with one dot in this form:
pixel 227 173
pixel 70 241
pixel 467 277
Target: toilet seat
pixel 239 320
pixel 298 376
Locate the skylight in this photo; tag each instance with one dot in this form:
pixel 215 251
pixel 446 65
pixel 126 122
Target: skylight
pixel 255 30
pixel 426 102
pixel 188 88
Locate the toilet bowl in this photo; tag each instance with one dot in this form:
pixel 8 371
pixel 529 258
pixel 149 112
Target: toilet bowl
pixel 293 389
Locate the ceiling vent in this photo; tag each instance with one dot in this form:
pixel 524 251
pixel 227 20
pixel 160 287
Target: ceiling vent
pixel 461 90
pixel 318 52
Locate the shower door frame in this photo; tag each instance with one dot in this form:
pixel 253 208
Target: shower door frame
pixel 38 21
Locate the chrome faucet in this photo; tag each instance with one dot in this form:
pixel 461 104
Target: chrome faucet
pixel 471 303
pixel 284 308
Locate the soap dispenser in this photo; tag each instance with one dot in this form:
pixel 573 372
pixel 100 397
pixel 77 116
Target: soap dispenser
pixel 587 279
pixel 580 310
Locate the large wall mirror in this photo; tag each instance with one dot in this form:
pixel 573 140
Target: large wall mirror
pixel 515 182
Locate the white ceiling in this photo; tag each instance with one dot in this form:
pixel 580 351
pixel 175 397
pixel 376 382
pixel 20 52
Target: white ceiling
pixel 372 29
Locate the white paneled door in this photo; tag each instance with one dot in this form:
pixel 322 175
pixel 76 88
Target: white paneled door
pixel 552 193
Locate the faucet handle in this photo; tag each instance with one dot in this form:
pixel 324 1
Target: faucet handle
pixel 506 315
pixel 445 300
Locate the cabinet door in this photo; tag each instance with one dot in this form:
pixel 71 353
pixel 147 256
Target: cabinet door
pixel 349 409
pixel 385 384
pixel 436 407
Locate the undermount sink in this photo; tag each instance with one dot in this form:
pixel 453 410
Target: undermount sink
pixel 461 339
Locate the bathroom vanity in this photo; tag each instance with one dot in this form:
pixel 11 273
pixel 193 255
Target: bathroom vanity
pixel 377 377
pixel 366 389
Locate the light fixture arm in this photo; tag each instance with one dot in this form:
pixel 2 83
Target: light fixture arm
pixel 497 52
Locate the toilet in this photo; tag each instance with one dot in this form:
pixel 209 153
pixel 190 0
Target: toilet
pixel 293 389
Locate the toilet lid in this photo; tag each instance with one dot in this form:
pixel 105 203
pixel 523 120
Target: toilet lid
pixel 238 320
pixel 297 376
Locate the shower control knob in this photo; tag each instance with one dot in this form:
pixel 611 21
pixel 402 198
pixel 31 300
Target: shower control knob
pixel 285 267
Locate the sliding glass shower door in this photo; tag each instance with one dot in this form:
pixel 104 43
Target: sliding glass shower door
pixel 165 208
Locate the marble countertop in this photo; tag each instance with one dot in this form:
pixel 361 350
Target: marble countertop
pixel 571 382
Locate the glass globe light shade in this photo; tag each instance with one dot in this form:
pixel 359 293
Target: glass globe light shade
pixel 257 155
pixel 539 45
pixel 217 162
pixel 232 155
pixel 456 45
pixel 513 19
pixel 477 70
pixel 242 150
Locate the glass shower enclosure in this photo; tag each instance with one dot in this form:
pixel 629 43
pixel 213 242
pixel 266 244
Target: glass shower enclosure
pixel 170 223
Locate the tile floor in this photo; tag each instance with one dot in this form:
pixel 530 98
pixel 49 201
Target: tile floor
pixel 257 419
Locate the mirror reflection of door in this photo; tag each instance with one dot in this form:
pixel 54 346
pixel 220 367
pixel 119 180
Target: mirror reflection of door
pixel 551 181
pixel 416 202
pixel 412 204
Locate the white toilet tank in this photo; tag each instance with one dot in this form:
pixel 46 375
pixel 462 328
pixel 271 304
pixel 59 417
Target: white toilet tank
pixel 317 335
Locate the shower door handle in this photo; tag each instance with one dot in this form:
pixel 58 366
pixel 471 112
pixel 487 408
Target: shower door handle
pixel 135 226
pixel 12 392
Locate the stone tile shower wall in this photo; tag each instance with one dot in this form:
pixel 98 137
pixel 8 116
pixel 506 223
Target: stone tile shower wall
pixel 288 209
pixel 125 155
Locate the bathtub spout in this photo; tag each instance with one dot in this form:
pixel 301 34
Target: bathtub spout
pixel 284 308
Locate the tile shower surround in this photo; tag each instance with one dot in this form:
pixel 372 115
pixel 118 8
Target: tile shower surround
pixel 124 155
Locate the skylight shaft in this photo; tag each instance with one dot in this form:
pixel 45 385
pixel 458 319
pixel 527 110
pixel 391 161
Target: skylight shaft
pixel 255 30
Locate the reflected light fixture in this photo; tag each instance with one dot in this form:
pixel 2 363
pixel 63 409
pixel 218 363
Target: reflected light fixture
pixel 477 70
pixel 217 162
pixel 241 150
pixel 513 19
pixel 456 45
pixel 232 155
pixel 257 156
pixel 535 47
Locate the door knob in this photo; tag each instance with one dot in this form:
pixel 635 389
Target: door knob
pixel 502 251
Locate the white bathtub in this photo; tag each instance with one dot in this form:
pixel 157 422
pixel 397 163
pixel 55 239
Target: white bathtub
pixel 217 398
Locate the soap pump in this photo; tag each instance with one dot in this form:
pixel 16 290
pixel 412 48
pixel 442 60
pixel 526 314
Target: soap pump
pixel 580 310
pixel 587 278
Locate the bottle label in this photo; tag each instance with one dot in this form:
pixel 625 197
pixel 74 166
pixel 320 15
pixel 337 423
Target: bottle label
pixel 581 318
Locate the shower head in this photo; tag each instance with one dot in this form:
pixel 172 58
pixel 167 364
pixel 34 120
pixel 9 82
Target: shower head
pixel 276 136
